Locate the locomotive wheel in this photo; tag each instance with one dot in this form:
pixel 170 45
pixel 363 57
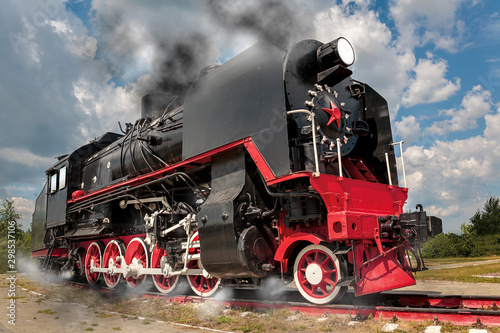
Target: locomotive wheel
pixel 138 250
pixel 114 249
pixel 316 272
pixel 94 252
pixel 163 285
pixel 199 284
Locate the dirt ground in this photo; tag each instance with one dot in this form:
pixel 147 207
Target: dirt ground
pixel 56 307
pixel 34 313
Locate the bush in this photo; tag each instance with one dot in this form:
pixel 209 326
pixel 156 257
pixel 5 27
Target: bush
pixel 479 237
pixel 467 245
pixel 441 246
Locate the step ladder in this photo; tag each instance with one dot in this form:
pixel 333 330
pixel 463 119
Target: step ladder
pixel 358 170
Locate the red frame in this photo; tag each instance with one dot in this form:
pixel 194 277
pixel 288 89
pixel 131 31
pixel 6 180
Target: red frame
pixel 353 210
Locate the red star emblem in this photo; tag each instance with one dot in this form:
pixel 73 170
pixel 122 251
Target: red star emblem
pixel 335 114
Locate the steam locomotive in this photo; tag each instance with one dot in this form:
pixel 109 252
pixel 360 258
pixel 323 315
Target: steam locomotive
pixel 275 163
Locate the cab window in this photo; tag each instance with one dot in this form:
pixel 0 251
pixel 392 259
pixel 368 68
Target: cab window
pixel 62 177
pixel 53 183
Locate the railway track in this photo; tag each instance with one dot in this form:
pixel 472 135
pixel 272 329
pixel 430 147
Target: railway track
pixel 455 309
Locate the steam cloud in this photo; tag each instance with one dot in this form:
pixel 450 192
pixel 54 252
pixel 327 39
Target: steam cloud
pixel 274 20
pixel 185 37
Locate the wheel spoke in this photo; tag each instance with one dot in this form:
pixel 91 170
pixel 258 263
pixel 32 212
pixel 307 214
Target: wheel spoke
pixel 137 249
pixel 330 271
pixel 198 283
pixel 111 253
pixel 325 263
pixel 329 281
pixel 94 252
pixel 322 287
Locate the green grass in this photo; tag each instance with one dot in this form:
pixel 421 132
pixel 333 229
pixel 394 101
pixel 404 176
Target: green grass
pixel 461 274
pixel 455 260
pixel 48 311
pixel 14 297
pixel 223 320
pixel 105 315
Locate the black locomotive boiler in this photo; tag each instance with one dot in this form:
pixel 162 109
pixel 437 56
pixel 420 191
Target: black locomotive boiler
pixel 276 163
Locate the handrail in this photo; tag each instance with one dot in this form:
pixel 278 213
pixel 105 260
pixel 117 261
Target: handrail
pixel 339 158
pixel 400 144
pixel 388 168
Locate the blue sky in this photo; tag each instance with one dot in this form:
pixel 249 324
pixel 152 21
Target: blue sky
pixel 72 69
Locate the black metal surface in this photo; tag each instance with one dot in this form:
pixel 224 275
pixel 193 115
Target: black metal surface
pixel 242 98
pixel 79 158
pixel 372 147
pixel 39 220
pixel 56 201
pixel 301 68
pixel 230 248
pixel 144 148
pixel 216 228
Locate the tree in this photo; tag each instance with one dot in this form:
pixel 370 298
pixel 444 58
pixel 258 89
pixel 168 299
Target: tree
pixel 7 215
pixel 487 221
pixel 9 226
pixel 468 241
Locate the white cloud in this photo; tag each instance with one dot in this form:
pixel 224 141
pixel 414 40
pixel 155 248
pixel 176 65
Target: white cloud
pixel 428 21
pixel 24 157
pixel 429 84
pixel 24 207
pixel 387 62
pixel 445 212
pixel 415 180
pixel 475 105
pixel 408 129
pixel 453 178
pixel 106 104
pixel 75 37
pixel 492 131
